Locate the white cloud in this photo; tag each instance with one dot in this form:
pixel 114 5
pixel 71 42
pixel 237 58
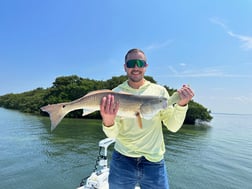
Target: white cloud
pixel 243 99
pixel 245 40
pixel 182 64
pixel 219 22
pixel 173 70
pixel 155 46
pixel 205 72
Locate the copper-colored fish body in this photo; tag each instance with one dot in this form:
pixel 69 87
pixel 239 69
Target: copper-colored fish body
pixel 131 106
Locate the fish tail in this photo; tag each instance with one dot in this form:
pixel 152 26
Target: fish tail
pixel 175 98
pixel 56 112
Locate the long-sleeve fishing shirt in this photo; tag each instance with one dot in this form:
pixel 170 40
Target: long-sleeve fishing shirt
pixel 148 141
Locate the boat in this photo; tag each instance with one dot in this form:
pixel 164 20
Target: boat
pixel 99 177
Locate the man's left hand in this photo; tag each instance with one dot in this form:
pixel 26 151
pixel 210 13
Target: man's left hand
pixel 186 94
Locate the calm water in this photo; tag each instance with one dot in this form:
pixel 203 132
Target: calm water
pixel 216 157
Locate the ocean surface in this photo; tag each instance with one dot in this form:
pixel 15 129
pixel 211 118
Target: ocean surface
pixel 218 156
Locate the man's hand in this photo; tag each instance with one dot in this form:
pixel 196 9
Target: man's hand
pixel 186 94
pixel 108 110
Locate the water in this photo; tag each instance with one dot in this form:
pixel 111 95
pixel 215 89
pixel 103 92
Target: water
pixel 216 157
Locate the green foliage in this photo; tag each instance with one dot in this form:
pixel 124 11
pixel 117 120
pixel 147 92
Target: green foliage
pixel 197 112
pixel 69 88
pixel 26 102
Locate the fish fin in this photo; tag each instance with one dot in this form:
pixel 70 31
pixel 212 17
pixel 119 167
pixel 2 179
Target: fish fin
pixel 97 92
pixel 56 112
pixel 139 120
pixel 87 111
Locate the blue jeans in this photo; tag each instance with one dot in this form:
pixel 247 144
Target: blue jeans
pixel 126 172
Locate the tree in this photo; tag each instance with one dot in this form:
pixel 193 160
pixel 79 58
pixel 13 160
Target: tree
pixel 69 88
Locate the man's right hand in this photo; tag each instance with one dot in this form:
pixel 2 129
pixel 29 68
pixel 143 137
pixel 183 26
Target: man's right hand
pixel 108 110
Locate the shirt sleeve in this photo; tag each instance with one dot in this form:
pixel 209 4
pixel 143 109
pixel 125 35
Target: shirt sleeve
pixel 173 117
pixel 113 130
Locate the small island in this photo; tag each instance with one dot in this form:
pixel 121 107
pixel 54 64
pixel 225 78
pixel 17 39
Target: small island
pixel 69 88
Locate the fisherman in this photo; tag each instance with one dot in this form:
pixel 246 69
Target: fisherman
pixel 138 157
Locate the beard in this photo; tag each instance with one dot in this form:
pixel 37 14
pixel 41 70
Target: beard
pixel 135 76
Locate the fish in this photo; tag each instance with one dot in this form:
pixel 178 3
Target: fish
pixel 130 106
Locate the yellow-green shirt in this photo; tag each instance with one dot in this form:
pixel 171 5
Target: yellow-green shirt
pixel 147 141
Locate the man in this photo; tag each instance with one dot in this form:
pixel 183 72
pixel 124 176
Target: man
pixel 138 157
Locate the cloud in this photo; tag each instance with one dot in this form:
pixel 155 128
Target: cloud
pixel 219 22
pixel 182 64
pixel 155 46
pixel 205 72
pixel 233 99
pixel 245 40
pixel 243 99
pixel 173 70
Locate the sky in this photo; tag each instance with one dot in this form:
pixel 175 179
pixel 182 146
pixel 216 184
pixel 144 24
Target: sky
pixel 206 44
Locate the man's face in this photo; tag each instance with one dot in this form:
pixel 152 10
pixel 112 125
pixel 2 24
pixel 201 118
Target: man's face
pixel 135 74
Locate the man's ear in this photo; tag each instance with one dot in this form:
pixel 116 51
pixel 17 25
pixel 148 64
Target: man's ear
pixel 125 69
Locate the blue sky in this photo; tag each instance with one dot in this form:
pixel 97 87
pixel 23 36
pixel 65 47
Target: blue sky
pixel 207 44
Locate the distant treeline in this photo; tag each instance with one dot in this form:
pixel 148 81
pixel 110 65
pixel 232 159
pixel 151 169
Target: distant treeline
pixel 69 88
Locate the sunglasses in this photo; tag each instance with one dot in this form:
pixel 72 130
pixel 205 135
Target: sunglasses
pixel 133 63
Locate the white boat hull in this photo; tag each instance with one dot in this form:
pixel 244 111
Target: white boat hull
pixel 99 178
